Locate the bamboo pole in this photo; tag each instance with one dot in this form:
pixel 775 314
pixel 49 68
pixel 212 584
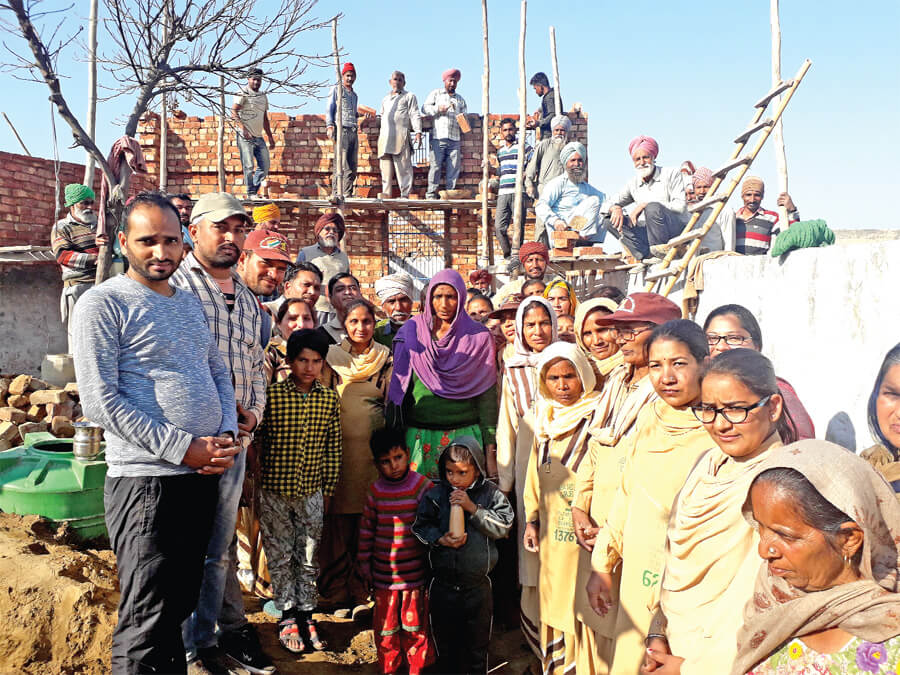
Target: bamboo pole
pixel 778 131
pixel 16 134
pixel 486 242
pixel 92 92
pixel 557 95
pixel 163 144
pixel 338 186
pixel 518 211
pixel 220 137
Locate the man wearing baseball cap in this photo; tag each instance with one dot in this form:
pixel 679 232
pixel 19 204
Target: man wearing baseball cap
pixel 264 261
pixel 235 318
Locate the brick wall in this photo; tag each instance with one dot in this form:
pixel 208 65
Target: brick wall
pixel 301 169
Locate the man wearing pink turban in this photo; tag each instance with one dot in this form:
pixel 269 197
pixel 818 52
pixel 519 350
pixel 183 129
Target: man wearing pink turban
pixel 444 105
pixel 659 212
pixel 721 234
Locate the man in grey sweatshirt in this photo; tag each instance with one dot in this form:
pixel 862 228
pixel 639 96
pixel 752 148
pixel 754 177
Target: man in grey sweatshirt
pixel 151 375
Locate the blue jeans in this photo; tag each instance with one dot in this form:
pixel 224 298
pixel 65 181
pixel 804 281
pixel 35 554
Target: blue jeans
pixel 443 150
pixel 257 149
pixel 199 630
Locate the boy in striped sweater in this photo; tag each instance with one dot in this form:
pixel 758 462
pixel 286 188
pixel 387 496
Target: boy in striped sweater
pixel 392 559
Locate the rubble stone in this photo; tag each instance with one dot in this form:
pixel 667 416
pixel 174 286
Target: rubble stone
pixel 20 384
pixel 18 400
pixel 49 396
pixel 13 415
pixel 61 427
pixel 32 428
pixel 9 432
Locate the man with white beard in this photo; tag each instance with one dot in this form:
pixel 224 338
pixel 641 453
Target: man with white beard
pixel 658 196
pixel 327 255
pixel 75 244
pixel 395 293
pixel 569 203
pixel 545 166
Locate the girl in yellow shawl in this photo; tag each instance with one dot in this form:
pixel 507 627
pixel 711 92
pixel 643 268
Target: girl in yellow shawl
pixel 711 559
pixel 562 420
pixel 561 297
pixel 668 441
pixel 360 372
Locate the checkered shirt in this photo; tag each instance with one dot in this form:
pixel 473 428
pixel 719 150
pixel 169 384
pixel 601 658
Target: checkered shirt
pixel 300 440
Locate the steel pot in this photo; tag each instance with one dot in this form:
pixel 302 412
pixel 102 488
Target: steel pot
pixel 86 444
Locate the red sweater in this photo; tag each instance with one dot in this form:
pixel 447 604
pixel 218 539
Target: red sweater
pixel 385 536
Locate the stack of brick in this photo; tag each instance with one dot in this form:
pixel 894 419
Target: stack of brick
pixel 563 244
pixel 29 405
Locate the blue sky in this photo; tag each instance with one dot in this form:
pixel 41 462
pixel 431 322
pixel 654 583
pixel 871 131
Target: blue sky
pixel 684 73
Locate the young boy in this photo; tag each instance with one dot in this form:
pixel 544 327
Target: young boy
pixel 460 592
pixel 392 559
pixel 300 459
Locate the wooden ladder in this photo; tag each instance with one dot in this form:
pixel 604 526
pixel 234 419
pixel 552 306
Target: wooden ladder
pixel 671 269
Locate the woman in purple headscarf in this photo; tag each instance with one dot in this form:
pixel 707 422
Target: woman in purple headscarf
pixel 445 380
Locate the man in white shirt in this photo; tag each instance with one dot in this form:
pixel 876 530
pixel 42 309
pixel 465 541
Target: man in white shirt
pixel 568 202
pixel 444 105
pixel 399 114
pixel 249 113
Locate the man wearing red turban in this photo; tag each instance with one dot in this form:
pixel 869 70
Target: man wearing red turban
pixel 444 105
pixel 348 124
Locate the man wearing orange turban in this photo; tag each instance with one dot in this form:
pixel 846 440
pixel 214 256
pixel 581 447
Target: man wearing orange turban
pixel 267 217
pixel 755 225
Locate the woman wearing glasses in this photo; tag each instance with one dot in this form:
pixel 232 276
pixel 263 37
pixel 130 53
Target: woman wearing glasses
pixel 711 560
pixel 733 326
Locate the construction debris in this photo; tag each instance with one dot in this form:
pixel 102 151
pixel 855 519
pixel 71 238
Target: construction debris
pixel 28 405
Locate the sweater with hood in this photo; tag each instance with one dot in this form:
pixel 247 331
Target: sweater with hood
pixel 470 563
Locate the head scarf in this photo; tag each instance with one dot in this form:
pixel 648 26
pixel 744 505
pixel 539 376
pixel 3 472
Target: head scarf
pixel 266 212
pixel 604 366
pixel 76 192
pixel 869 608
pixel 570 149
pixel 331 217
pixel 480 275
pixel 524 355
pixel 643 143
pixel 560 121
pixel 702 177
pixel 394 284
pixel 553 419
pixel 459 365
pixel 451 72
pixel 531 247
pixel 754 182
pixel 573 301
pixel 356 367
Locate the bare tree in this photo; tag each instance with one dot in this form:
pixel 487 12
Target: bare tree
pixel 203 41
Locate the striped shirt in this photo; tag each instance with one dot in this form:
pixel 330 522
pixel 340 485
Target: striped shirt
pixel 445 124
pixel 507 157
pixel 385 533
pixel 753 234
pixel 236 330
pixel 300 440
pixel 75 248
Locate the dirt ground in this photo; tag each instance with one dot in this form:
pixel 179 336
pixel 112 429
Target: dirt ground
pixel 58 611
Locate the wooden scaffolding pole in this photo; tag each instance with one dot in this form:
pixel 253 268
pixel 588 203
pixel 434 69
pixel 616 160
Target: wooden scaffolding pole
pixel 338 183
pixel 220 137
pixel 92 92
pixel 556 93
pixel 518 212
pixel 486 241
pixel 778 131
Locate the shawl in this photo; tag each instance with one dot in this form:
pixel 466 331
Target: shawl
pixel 356 367
pixel 711 555
pixel 622 405
pixel 524 355
pixel 553 419
pixel 458 366
pixel 602 366
pixel 869 608
pixel 573 301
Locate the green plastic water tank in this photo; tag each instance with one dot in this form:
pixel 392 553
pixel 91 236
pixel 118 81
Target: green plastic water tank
pixel 43 477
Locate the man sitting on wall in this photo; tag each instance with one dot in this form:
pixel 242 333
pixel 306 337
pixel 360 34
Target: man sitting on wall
pixel 755 226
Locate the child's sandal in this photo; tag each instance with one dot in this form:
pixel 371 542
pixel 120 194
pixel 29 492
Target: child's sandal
pixel 317 643
pixel 289 636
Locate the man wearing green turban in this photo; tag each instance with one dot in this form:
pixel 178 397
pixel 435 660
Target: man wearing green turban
pixel 75 244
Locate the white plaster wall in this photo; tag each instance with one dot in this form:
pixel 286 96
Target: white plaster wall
pixel 828 317
pixel 30 326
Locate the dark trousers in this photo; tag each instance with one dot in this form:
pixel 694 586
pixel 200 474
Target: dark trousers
pixel 159 528
pixel 349 152
pixel 660 225
pixel 503 216
pixel 461 618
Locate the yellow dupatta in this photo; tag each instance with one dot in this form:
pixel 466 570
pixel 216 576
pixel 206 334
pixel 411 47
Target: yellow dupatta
pixel 356 367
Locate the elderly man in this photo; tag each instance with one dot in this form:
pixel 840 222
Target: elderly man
pixel 234 317
pixel 507 160
pixel 399 114
pixel 249 112
pixel 152 375
pixel 75 244
pixel 721 235
pixel 395 293
pixel 327 256
pixel 568 202
pixel 349 124
pixel 342 288
pixel 545 166
pixel 483 281
pixel 659 199
pixel 543 116
pixel 444 105
pixel 755 226
pixel 534 257
pixel 267 217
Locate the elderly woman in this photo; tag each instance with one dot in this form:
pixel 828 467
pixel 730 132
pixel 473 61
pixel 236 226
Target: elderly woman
pixel 884 420
pixel 445 381
pixel 710 558
pixel 561 297
pixel 826 599
pixel 292 315
pixel 596 338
